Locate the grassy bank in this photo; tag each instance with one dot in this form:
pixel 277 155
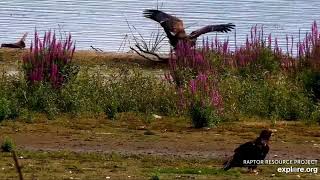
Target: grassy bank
pixel 95 148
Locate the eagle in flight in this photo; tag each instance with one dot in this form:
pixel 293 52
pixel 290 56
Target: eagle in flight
pixel 175 31
pixel 253 150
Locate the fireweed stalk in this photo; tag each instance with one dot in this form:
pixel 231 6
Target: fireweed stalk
pixel 196 84
pixel 47 59
pixel 196 76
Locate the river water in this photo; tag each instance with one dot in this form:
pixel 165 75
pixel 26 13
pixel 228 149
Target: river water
pixel 104 24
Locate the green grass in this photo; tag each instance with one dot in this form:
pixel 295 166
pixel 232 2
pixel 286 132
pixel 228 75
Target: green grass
pixel 86 141
pixel 7 145
pixel 199 171
pixel 68 165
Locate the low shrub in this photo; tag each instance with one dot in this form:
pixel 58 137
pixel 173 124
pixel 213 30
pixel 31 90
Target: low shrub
pixel 93 93
pixel 289 101
pixel 277 95
pixel 111 109
pixel 311 81
pixel 203 116
pixel 4 109
pixel 7 145
pixel 131 90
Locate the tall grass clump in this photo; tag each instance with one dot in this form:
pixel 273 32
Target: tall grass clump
pixel 132 90
pixel 196 85
pixel 9 104
pixel 7 145
pixel 309 61
pixel 4 108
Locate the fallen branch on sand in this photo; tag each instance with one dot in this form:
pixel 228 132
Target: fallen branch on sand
pixel 144 54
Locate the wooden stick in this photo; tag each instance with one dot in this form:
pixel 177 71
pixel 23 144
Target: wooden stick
pixel 16 163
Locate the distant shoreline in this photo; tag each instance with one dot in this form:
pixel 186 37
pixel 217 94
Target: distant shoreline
pixel 86 58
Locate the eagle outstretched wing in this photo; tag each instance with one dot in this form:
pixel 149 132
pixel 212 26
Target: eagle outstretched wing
pixel 212 28
pixel 168 22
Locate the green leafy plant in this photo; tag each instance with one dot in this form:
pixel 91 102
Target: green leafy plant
pixel 4 109
pixel 7 145
pixel 203 116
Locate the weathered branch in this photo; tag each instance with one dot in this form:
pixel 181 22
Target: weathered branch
pixel 16 163
pixel 142 53
pixel 96 49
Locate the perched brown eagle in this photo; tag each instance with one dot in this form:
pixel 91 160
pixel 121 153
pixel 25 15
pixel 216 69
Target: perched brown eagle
pixel 20 44
pixel 253 150
pixel 175 31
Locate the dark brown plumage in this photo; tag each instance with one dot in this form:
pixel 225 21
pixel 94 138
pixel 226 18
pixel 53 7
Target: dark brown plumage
pixel 253 150
pixel 20 44
pixel 174 27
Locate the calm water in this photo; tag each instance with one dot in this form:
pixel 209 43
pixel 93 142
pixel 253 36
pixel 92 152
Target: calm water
pixel 103 23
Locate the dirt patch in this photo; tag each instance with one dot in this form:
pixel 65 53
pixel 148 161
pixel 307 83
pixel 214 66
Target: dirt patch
pixel 101 135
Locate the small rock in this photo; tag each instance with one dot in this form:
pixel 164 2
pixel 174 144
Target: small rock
pixel 157 116
pixel 71 178
pixel 273 175
pixel 20 157
pixel 312 141
pixel 298 176
pixel 70 172
pixel 129 176
pixel 2 169
pixel 141 128
pixel 275 155
pixel 108 177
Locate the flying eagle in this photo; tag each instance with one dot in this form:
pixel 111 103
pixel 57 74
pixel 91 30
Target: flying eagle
pixel 20 44
pixel 253 150
pixel 175 31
